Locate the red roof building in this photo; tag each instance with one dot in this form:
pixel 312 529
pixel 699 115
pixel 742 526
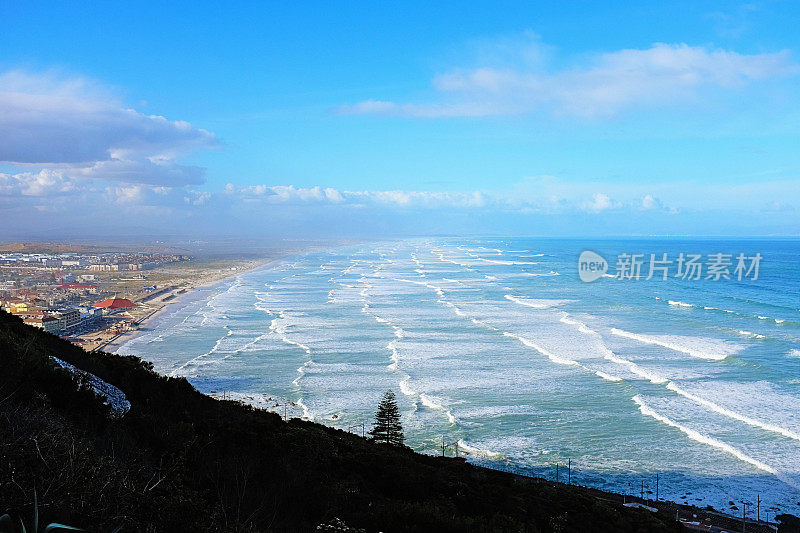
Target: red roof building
pixel 73 285
pixel 116 303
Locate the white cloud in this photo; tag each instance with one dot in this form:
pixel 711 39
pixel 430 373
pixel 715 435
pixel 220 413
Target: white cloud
pixel 197 197
pixel 42 183
pixel 285 193
pixel 75 126
pixel 369 107
pixel 548 203
pixel 649 202
pixel 471 109
pixel 600 202
pixel 289 194
pixel 609 83
pixel 127 194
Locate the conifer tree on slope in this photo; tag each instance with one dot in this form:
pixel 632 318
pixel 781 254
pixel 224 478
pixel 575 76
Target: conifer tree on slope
pixel 387 426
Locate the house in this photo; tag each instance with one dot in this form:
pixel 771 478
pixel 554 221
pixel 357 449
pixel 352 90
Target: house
pixel 113 305
pixel 79 288
pixel 47 323
pixel 16 306
pixel 68 317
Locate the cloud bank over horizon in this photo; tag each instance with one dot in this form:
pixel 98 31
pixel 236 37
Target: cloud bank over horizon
pixel 542 205
pixel 600 86
pixel 75 127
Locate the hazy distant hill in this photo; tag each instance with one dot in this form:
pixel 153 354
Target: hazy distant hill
pixel 181 461
pixel 45 248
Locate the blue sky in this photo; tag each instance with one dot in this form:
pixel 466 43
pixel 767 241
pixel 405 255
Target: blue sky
pixel 547 118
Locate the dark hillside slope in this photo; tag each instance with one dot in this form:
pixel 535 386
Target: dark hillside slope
pixel 181 461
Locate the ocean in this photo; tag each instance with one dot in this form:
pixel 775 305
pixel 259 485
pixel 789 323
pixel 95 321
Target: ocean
pixel 497 349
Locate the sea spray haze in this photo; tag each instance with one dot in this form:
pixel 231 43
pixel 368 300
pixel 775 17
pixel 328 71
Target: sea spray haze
pixel 497 344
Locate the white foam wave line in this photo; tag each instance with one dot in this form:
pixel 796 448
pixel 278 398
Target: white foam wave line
pixel 204 355
pixel 477 451
pixel 455 309
pixel 649 340
pixel 273 325
pixel 295 343
pixel 438 290
pixel 391 346
pixel 205 316
pixel 583 328
pixel 302 371
pixel 710 441
pixel 259 306
pixel 498 262
pixel 633 367
pixel 527 342
pixel 751 334
pixel 561 360
pixel 254 341
pixel 551 273
pixel 526 303
pixel 760 317
pixel 306 413
pixel 536 304
pixel 405 389
pixel 428 402
pixel 484 324
pixel 443 260
pixel 607 377
pixel 679 304
pixel 733 414
pixel 611 356
pixel 182 322
pixel 403 384
pixel 531 344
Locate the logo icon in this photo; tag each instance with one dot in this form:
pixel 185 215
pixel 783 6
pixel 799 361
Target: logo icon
pixel 591 266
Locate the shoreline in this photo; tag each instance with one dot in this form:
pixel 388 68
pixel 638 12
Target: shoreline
pixel 182 298
pixel 179 294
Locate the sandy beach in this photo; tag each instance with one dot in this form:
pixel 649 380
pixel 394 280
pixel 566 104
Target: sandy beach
pixel 173 295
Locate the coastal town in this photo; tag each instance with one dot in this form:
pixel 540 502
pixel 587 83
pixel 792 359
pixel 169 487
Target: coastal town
pixel 94 298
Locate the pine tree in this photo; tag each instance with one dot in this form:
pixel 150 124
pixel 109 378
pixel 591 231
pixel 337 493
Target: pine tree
pixel 387 426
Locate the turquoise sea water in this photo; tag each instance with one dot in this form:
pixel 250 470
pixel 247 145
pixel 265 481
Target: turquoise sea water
pixel 495 344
